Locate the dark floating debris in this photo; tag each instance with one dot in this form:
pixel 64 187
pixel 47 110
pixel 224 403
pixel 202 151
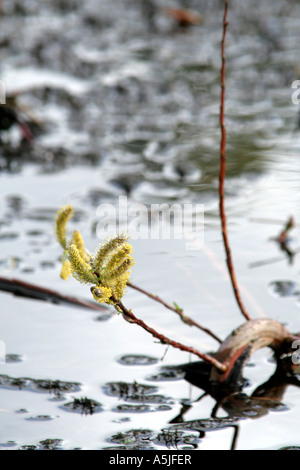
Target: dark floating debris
pixel 56 386
pixel 126 408
pixel 133 447
pixel 105 316
pixel 8 236
pixel 161 399
pixel 8 444
pixel 39 385
pixel 285 288
pixel 124 419
pixel 16 383
pixel 140 439
pixel 29 447
pixel 142 408
pixel 35 233
pixel 11 358
pixel 143 395
pixel 134 437
pixel 128 391
pixel 40 418
pixel 137 360
pixel 84 405
pixel 175 439
pixel 290 448
pixel 46 444
pixel 203 425
pixel 47 264
pixel 168 373
pixel 51 444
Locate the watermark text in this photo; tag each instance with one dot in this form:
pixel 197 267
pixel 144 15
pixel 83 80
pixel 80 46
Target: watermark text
pixel 153 221
pixel 296 354
pixel 296 93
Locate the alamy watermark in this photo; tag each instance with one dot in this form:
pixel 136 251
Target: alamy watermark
pixel 2 352
pixel 296 93
pixel 153 222
pixel 2 92
pixel 296 354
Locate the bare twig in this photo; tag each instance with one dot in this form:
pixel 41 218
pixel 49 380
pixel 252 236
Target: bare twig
pixel 32 291
pixel 223 172
pixel 129 316
pixel 183 316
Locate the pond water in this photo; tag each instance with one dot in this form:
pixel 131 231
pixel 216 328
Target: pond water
pixel 124 103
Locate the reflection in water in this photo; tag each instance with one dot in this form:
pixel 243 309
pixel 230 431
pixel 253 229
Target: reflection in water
pixel 237 405
pixel 83 405
pixel 57 387
pixel 181 434
pixel 246 155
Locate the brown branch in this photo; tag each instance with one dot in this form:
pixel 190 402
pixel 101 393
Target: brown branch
pixel 223 172
pixel 32 291
pixel 129 316
pixel 183 316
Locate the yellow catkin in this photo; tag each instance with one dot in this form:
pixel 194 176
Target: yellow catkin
pixel 108 271
pixel 78 241
pixel 61 219
pixel 115 273
pixel 81 270
pixel 119 287
pixel 118 257
pixel 101 294
pixel 107 248
pixel 65 270
pixel 118 272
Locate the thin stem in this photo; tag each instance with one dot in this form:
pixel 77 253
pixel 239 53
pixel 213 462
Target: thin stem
pixel 223 172
pixel 32 291
pixel 183 316
pixel 163 339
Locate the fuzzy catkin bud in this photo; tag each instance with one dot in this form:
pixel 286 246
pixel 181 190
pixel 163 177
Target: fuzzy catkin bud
pixel 107 248
pixel 78 241
pixel 61 219
pixel 65 270
pixel 101 294
pixel 81 270
pixel 122 268
pixel 117 258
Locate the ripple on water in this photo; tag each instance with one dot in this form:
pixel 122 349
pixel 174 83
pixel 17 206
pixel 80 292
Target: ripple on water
pixel 128 390
pixel 285 288
pixel 57 387
pixel 83 405
pixel 137 360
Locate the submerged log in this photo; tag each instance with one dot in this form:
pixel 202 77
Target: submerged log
pixel 244 341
